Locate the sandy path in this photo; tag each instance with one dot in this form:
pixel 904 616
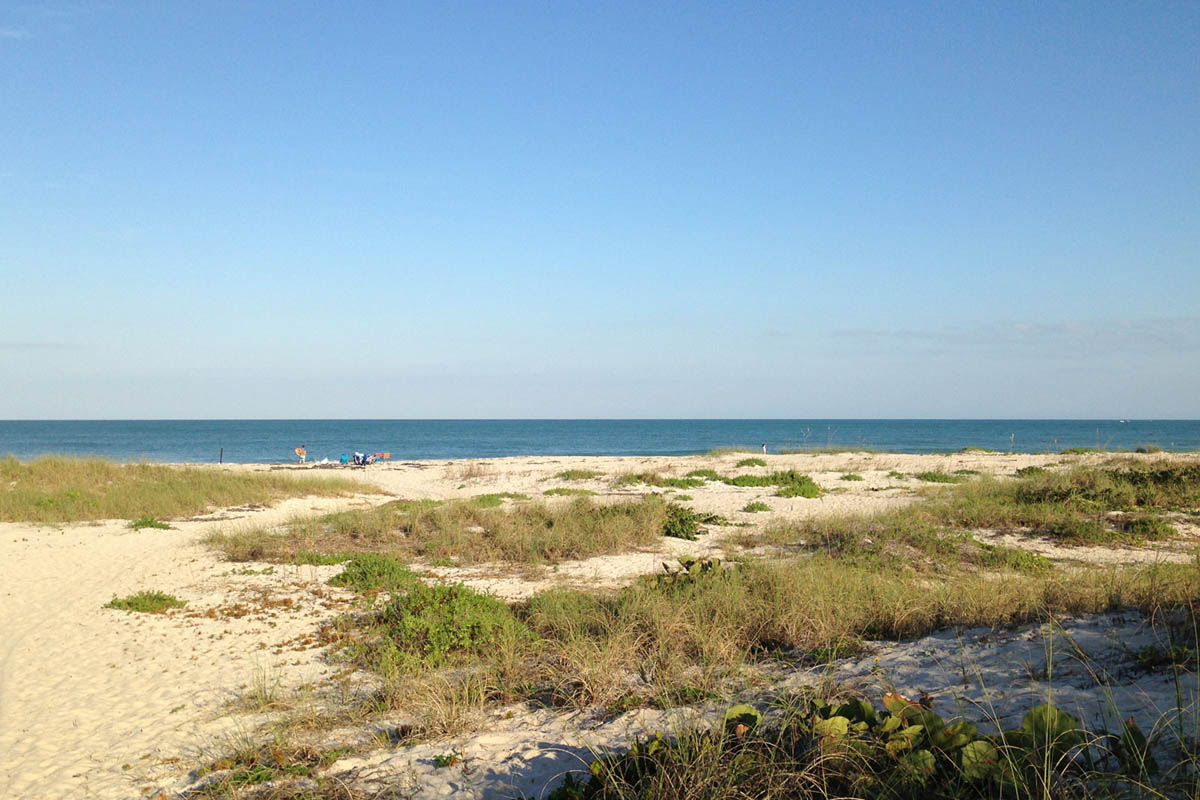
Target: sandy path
pixel 85 691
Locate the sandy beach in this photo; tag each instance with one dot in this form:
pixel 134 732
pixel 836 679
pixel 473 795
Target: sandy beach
pixel 100 703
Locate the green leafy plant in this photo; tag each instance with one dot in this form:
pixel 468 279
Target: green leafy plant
pixel 684 523
pixel 751 462
pixel 374 571
pixel 756 505
pixel 150 602
pixel 148 522
pixel 578 474
pixel 852 476
pixel 852 750
pixel 428 627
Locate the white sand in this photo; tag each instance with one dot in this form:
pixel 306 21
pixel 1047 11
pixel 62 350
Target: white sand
pixel 101 703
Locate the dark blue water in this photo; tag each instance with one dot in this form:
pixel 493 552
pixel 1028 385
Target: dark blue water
pixel 267 441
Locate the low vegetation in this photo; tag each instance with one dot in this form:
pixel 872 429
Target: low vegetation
pixel 755 506
pixel 937 477
pixel 790 483
pixel 150 602
pixel 819 750
pixel 704 628
pixel 53 490
pixel 469 532
pixel 148 522
pixel 579 475
pixel 567 491
pixel 1086 505
pixel 751 462
pixel 496 500
pixel 661 481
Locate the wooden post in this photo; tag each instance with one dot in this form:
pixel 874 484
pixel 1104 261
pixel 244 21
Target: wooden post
pixel 221 459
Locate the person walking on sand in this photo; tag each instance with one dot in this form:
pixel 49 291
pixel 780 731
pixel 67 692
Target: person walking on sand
pixel 301 453
pixel 764 448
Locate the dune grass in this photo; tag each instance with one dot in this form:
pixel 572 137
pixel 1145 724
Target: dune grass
pixel 790 483
pixel 751 462
pixel 708 627
pixel 53 489
pixel 1085 505
pixel 900 574
pixel 579 474
pixel 567 491
pixel 529 533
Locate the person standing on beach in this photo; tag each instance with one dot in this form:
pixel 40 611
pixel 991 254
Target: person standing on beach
pixel 301 453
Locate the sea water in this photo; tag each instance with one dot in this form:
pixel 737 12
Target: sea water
pixel 269 441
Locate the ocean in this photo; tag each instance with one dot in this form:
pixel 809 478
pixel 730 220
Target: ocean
pixel 271 441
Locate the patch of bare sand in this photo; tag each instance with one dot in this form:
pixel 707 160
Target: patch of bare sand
pixel 93 700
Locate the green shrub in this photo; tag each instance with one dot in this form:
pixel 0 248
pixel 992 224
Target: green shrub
pixel 661 481
pixel 151 602
pixel 148 522
pixel 756 505
pixel 1146 527
pixel 372 571
pixel 752 462
pixel 707 474
pixel 934 476
pixel 684 523
pixel 852 476
pixel 579 474
pixel 429 627
pixel 793 484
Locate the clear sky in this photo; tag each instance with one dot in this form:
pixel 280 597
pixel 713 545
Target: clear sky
pixel 559 209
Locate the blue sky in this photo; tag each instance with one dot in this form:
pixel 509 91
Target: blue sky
pixel 253 209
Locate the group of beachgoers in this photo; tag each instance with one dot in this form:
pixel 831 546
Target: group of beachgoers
pixel 358 459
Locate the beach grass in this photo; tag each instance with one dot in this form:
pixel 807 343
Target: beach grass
pixel 705 629
pixel 579 474
pixel 527 533
pixel 1084 505
pixel 567 491
pixel 711 626
pixel 53 490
